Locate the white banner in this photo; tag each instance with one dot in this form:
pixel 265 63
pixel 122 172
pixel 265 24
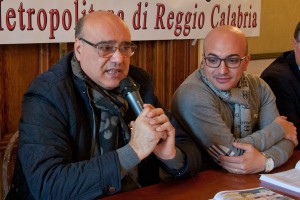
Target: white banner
pixel 49 21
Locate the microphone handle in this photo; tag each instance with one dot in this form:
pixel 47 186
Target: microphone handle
pixel 135 101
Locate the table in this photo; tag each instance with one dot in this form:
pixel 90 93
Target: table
pixel 206 184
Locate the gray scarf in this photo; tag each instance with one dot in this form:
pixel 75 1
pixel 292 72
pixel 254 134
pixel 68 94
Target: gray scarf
pixel 240 97
pixel 110 111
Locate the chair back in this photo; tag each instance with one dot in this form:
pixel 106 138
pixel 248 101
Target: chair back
pixel 8 163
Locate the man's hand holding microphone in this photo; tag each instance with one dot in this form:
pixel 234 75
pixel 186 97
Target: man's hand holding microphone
pixel 152 130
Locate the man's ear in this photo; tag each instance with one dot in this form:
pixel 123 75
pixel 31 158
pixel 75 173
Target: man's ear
pixel 294 43
pixel 247 60
pixel 78 49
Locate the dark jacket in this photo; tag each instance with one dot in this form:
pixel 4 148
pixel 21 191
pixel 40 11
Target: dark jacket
pixel 55 141
pixel 283 76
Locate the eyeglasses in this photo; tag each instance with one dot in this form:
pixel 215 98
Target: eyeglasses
pixel 106 49
pixel 231 61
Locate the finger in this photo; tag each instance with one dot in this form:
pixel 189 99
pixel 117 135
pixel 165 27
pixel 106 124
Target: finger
pixel 163 135
pixel 230 167
pixel 242 146
pixel 232 170
pixel 296 142
pixel 230 161
pixel 131 125
pixel 237 171
pixel 146 105
pixel 144 112
pixel 155 112
pixel 159 119
pixel 167 126
pixel 283 117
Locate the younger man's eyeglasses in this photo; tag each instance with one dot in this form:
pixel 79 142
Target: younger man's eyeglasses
pixel 231 61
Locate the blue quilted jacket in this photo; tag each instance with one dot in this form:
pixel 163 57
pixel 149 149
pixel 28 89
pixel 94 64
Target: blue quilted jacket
pixel 54 160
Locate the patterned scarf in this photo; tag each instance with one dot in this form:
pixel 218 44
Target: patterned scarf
pixel 109 113
pixel 240 97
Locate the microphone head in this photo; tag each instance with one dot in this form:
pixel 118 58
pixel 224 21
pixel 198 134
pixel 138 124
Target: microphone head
pixel 130 91
pixel 127 85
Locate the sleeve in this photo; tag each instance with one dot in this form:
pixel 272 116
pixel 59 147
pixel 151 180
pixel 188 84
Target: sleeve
pixel 191 153
pixel 177 163
pixel 50 166
pixel 209 121
pixel 128 159
pixel 283 149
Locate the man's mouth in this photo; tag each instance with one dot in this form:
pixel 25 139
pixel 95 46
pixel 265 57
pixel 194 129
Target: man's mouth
pixel 113 71
pixel 222 79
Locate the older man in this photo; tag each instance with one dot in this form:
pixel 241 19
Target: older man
pixel 232 114
pixel 75 140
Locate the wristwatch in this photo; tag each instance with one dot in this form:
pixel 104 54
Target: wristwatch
pixel 269 163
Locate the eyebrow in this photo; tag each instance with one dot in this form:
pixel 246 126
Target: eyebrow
pixel 230 55
pixel 109 42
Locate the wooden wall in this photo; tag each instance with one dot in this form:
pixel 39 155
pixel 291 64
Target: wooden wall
pixel 168 62
pixel 19 64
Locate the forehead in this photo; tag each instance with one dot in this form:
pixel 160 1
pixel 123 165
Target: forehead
pixel 223 43
pixel 106 28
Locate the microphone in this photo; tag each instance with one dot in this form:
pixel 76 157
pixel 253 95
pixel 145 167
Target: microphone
pixel 130 91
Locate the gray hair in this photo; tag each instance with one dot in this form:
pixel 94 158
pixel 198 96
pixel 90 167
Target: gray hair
pixel 79 27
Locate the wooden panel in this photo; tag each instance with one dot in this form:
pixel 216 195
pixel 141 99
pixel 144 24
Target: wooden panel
pixel 14 80
pixel 168 62
pixel 2 75
pixel 19 65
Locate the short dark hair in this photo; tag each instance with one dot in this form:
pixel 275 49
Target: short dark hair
pixel 297 31
pixel 79 27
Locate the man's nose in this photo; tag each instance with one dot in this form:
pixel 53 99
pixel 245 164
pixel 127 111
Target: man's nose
pixel 223 67
pixel 117 57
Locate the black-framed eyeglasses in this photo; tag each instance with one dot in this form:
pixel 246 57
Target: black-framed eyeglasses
pixel 107 49
pixel 231 61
